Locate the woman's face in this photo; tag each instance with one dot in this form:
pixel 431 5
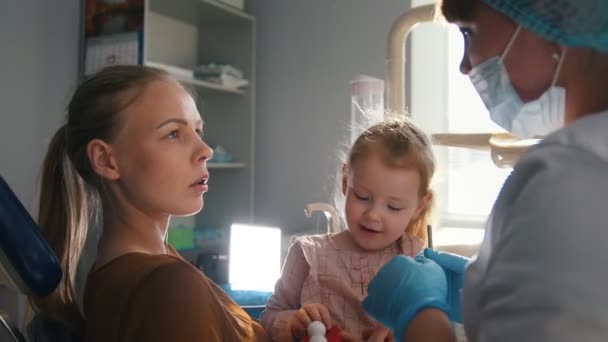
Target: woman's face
pixel 159 152
pixel 529 62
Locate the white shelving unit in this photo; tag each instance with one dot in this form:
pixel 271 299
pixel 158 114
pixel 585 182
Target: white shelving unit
pixel 180 34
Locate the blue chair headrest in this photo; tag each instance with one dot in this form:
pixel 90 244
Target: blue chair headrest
pixel 27 260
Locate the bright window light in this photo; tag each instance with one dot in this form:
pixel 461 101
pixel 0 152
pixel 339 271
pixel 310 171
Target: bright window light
pixel 255 257
pixel 473 181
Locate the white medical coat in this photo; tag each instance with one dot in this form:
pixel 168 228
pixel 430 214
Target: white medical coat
pixel 542 270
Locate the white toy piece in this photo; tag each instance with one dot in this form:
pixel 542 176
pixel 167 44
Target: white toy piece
pixel 316 331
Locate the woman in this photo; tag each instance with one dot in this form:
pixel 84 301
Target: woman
pixel 538 65
pixel 132 151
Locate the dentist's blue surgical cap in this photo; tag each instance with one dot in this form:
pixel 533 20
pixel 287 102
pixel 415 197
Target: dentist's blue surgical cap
pixel 572 23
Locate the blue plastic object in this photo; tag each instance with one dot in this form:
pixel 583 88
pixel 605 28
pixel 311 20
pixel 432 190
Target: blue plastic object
pixel 23 251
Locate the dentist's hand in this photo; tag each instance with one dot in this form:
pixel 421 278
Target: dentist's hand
pixel 453 265
pixel 402 288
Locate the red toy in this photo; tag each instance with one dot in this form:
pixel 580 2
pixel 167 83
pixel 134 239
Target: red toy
pixel 332 335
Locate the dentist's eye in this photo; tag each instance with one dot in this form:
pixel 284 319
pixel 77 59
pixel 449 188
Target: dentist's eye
pixel 466 32
pixel 200 133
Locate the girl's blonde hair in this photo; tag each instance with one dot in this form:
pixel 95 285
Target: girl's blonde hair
pixel 71 193
pixel 400 144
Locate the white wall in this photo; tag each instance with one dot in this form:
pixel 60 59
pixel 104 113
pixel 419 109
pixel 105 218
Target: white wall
pixel 307 53
pixel 38 70
pixel 39 63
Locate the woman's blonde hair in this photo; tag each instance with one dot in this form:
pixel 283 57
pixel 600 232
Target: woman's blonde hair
pixel 70 191
pixel 400 144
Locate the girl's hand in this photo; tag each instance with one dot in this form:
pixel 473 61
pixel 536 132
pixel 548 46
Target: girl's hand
pixel 307 314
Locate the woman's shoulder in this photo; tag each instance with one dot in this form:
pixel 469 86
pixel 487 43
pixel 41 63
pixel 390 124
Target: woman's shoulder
pixel 168 271
pixel 137 269
pixel 179 281
pixel 175 297
pixel 139 283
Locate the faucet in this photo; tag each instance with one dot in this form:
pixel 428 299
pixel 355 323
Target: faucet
pixel 331 214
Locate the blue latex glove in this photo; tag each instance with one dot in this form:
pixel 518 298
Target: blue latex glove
pixel 402 288
pixel 453 265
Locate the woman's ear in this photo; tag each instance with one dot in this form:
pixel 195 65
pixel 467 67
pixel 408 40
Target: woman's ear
pixel 344 179
pixel 102 159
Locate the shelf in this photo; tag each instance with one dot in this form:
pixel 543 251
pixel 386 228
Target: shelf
pixel 183 75
pixel 225 165
pixel 200 11
pixel 182 34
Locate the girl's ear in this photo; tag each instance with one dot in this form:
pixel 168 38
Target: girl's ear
pixel 101 157
pixel 423 205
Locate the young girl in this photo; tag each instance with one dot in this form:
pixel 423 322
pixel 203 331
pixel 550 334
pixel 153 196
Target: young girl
pixel 386 182
pixel 132 151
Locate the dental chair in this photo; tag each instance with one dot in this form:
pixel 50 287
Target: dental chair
pixel 27 264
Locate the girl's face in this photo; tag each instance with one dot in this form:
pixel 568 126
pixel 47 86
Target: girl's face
pixel 159 152
pixel 380 202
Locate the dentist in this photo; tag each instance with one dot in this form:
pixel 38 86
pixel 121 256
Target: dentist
pixel 541 68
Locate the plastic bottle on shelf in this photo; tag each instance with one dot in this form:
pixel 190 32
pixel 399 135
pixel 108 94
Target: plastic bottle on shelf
pixel 367 103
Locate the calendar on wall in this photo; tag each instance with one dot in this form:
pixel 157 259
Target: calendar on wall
pixel 114 49
pixel 113 34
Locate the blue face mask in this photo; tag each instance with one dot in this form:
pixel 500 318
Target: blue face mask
pixel 525 120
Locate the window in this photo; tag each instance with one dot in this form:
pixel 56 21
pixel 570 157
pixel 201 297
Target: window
pixel 255 257
pixel 443 100
pixel 473 181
